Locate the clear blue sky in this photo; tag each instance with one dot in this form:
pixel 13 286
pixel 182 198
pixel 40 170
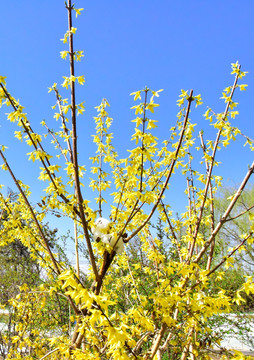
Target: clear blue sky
pixel 165 44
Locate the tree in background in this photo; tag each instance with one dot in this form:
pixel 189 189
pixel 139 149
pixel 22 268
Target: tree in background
pixel 156 303
pixel 20 269
pixel 17 265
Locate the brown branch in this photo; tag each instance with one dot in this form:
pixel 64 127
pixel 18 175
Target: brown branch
pixel 66 131
pixel 241 214
pixel 120 198
pixel 156 342
pixel 210 257
pixel 190 245
pixel 74 145
pixel 209 173
pixel 57 142
pixel 164 346
pixel 226 213
pixel 66 159
pixel 134 282
pixel 171 168
pixel 141 341
pixel 28 130
pixel 142 143
pixel 134 209
pixel 100 173
pixel 230 254
pixel 192 184
pixel 172 231
pixel 187 346
pixel 225 258
pixel 49 353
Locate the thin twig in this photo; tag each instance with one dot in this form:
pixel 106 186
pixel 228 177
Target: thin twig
pixel 57 142
pixel 210 256
pixel 172 231
pixel 134 282
pixel 241 214
pixel 190 245
pixel 142 142
pixel 66 131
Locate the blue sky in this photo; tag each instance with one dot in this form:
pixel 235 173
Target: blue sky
pixel 165 44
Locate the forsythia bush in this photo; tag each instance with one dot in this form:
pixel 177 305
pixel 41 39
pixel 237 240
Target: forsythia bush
pixel 155 299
